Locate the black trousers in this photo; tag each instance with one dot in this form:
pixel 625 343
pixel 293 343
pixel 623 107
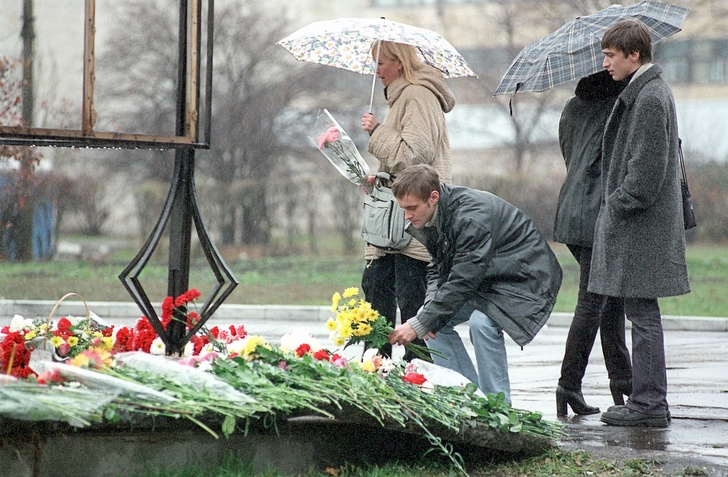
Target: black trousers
pixel 594 312
pixel 392 281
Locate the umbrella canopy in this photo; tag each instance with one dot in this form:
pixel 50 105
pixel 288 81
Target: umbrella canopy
pixel 574 50
pixel 347 43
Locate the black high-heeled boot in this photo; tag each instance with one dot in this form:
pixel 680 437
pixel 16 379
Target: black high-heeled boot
pixel 574 399
pixel 619 388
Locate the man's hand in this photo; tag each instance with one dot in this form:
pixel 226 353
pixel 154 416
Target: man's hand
pixel 402 335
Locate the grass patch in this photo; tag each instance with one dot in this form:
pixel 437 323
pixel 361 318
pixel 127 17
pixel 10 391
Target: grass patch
pixel 707 270
pixel 311 280
pixel 555 463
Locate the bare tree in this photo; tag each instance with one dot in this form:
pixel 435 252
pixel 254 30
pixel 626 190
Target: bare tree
pixel 513 23
pixel 253 85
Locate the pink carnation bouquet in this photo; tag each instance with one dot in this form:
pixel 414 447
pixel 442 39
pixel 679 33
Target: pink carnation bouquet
pixel 334 143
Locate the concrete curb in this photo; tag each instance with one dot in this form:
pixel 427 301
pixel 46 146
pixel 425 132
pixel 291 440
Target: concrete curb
pixel 128 311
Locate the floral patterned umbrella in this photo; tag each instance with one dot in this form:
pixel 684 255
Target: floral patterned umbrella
pixel 347 43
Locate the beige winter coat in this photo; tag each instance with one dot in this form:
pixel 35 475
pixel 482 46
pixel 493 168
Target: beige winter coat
pixel 414 132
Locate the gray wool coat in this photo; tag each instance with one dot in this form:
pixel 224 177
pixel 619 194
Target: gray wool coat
pixel 639 240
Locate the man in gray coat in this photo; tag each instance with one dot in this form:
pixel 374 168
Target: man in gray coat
pixel 490 266
pixel 639 240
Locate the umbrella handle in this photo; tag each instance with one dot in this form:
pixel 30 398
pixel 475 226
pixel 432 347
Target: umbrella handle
pixel 374 76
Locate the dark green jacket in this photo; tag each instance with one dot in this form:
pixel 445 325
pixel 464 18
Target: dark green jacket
pixel 581 129
pixel 488 254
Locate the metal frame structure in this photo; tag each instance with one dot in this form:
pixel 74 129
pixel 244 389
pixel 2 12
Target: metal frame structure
pixel 181 208
pixel 187 134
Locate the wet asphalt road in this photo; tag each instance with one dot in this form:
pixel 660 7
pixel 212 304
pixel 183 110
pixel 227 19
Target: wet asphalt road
pixel 697 372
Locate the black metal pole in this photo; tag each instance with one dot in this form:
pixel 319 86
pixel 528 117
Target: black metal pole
pixel 180 227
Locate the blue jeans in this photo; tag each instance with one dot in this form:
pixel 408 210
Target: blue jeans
pixel 490 351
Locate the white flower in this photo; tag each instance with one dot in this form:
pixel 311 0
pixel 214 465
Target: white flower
pixel 75 320
pixel 291 341
pixel 18 323
pixel 189 349
pixel 158 347
pixel 236 347
pixel 208 348
pixel 427 387
pixel 387 365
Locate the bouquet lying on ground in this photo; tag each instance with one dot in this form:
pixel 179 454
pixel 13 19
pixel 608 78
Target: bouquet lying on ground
pixel 339 149
pixel 357 322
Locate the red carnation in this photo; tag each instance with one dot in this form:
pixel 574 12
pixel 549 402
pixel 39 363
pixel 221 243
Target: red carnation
pixel 192 319
pixel 303 349
pixel 167 309
pixel 414 378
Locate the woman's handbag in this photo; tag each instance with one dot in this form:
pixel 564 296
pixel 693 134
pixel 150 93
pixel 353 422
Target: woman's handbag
pixel 383 223
pixel 687 204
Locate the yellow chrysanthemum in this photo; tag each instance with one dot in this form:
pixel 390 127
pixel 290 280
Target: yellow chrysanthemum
pixel 30 335
pixel 56 341
pixel 344 317
pixel 107 342
pixel 72 341
pixel 363 329
pixel 339 341
pixel 346 331
pixel 352 303
pixel 358 316
pixel 331 325
pixel 335 301
pixel 252 343
pixel 350 292
pixel 372 315
pixel 368 366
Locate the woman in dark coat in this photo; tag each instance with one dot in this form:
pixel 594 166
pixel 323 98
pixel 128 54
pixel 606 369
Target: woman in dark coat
pixel 580 136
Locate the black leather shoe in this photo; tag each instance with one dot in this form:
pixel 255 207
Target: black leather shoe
pixel 620 388
pixel 574 399
pixel 624 416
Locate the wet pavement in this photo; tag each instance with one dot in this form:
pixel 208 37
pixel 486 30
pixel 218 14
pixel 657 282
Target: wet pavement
pixel 697 370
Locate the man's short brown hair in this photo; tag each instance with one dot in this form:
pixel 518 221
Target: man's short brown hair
pixel 418 180
pixel 629 36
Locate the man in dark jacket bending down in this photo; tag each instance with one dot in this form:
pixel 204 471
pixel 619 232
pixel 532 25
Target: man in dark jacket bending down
pixel 490 266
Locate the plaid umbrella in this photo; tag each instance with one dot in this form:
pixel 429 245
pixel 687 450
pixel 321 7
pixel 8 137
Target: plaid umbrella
pixel 574 50
pixel 347 43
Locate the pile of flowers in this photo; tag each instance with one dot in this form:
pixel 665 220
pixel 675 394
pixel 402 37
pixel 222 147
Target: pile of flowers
pixel 70 336
pixel 111 372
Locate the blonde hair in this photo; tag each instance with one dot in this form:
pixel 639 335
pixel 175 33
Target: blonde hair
pixel 406 54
